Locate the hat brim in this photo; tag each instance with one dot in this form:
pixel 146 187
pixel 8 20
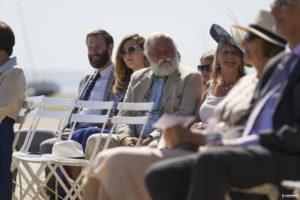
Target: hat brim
pixel 218 34
pixel 260 34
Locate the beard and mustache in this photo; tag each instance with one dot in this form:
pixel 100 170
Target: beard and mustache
pixel 164 66
pixel 99 60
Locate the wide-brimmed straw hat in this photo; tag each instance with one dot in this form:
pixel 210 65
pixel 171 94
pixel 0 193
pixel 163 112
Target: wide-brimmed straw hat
pixel 263 26
pixel 220 34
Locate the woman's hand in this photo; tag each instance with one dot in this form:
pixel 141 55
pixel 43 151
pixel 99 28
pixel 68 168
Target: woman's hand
pixel 199 125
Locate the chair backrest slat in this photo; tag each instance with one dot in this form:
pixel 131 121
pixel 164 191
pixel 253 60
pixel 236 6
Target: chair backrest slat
pixel 89 118
pixel 146 107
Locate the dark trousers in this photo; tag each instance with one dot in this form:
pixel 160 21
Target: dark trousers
pixel 6 140
pixel 211 173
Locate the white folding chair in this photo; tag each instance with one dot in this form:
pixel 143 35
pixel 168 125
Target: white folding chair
pixel 59 162
pixel 55 108
pixel 121 118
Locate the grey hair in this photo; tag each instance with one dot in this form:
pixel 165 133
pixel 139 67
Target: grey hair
pixel 153 38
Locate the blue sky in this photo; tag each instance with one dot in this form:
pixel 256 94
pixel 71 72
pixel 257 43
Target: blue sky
pixel 56 29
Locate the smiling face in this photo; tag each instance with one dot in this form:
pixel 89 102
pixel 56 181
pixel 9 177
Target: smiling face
pixel 229 58
pixel 134 56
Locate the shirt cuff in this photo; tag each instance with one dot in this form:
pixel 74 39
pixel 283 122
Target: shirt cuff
pixel 248 140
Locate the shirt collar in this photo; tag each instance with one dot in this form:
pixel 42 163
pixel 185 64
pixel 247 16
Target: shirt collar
pixel 9 64
pixel 296 50
pixel 107 70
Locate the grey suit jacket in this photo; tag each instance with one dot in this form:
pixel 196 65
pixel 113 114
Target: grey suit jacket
pixel 180 96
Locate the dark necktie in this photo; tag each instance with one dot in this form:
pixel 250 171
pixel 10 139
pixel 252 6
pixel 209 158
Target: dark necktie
pixel 85 95
pixel 90 86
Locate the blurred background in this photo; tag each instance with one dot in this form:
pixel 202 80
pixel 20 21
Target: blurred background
pixel 50 34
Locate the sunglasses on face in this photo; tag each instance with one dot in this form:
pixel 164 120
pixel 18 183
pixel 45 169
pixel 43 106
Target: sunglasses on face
pixel 249 37
pixel 204 67
pixel 281 3
pixel 130 50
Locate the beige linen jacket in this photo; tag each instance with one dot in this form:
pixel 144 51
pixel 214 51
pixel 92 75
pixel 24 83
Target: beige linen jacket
pixel 180 96
pixel 12 90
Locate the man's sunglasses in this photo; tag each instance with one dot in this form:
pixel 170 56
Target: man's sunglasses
pixel 281 3
pixel 249 36
pixel 130 50
pixel 204 67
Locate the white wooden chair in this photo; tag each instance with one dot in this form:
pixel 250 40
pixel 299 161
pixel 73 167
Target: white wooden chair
pixel 55 108
pixel 58 162
pixel 121 118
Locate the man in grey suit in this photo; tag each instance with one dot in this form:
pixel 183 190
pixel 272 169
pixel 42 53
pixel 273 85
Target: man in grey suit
pixel 173 89
pixel 94 86
pixel 269 150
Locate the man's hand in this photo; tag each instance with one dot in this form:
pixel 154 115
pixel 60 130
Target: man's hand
pixel 129 141
pixel 146 141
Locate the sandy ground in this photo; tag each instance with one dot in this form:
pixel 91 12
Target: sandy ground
pixel 47 123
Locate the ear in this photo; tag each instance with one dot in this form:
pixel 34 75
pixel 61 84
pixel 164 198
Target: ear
pixel 110 49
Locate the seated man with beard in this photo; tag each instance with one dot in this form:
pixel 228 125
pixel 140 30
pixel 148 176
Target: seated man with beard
pixel 173 89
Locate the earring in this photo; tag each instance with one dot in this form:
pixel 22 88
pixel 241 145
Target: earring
pixel 240 66
pixel 218 66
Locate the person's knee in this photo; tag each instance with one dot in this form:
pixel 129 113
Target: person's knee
pixel 46 146
pixel 90 145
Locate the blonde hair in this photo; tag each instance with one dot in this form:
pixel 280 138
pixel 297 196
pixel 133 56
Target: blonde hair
pixel 121 71
pixel 216 69
pixel 208 56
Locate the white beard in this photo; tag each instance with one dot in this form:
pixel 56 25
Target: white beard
pixel 165 66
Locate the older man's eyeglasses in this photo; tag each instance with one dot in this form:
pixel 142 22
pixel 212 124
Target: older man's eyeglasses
pixel 204 68
pixel 249 36
pixel 281 3
pixel 130 50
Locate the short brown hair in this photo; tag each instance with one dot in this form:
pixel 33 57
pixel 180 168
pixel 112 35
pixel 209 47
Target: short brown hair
pixel 7 38
pixel 107 37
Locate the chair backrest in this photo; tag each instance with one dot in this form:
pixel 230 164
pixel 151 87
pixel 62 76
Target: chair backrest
pixel 50 107
pixel 29 104
pixel 91 118
pixel 145 107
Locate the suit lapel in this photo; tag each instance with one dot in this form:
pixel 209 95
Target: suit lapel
pixel 109 85
pixel 86 83
pixel 291 81
pixel 144 88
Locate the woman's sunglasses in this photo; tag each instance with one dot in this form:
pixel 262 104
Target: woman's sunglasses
pixel 250 36
pixel 130 50
pixel 204 67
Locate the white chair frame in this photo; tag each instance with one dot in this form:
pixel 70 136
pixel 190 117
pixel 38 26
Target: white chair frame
pixel 58 163
pixel 23 157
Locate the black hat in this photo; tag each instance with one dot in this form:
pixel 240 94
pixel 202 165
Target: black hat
pixel 220 34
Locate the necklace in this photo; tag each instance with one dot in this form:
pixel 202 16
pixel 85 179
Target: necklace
pixel 226 87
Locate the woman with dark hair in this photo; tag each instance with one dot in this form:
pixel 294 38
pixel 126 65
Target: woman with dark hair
pixel 12 94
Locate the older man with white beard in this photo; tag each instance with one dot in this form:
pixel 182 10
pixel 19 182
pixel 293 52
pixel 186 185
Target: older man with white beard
pixel 118 173
pixel 173 89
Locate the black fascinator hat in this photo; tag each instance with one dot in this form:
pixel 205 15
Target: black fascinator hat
pixel 220 34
